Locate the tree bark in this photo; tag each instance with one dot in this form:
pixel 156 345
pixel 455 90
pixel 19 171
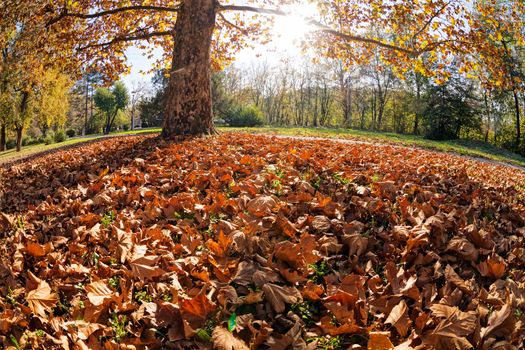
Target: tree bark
pixel 2 138
pixel 19 131
pixel 518 122
pixel 189 99
pixel 415 131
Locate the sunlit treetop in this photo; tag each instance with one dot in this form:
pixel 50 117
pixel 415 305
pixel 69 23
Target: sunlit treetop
pixel 425 36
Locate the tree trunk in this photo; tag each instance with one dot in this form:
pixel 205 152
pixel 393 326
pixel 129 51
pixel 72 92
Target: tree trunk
pixel 2 138
pixel 488 111
pixel 19 131
pixel 189 102
pixel 518 122
pixel 84 130
pixel 415 131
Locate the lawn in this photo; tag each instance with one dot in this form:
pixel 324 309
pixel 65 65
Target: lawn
pixel 27 151
pixel 464 147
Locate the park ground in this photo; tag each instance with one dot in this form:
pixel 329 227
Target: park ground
pixel 469 148
pixel 260 242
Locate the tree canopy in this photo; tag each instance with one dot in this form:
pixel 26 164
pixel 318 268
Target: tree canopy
pixel 426 36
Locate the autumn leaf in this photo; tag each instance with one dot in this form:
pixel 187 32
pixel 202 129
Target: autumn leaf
pixel 42 299
pixel 379 341
pixel 501 323
pixel 278 296
pixel 224 340
pixel 261 206
pixel 124 242
pixel 99 293
pixel 35 249
pixel 456 325
pixel 398 318
pixel 197 309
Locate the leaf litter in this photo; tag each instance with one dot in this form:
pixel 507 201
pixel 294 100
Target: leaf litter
pixel 252 242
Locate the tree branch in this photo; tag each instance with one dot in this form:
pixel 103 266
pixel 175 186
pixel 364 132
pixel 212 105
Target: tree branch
pixel 429 21
pixel 127 38
pixel 320 27
pixel 65 12
pixel 233 25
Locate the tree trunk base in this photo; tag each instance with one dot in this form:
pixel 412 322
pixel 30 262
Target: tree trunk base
pixel 189 100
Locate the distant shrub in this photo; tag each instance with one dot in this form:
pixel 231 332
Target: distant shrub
pixel 10 144
pixel 244 116
pixel 49 138
pixel 28 140
pixel 125 127
pixel 71 132
pixel 60 136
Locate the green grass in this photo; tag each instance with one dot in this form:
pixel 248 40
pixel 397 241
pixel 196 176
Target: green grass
pixel 469 148
pixel 27 151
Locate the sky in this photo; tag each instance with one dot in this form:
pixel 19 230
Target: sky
pixel 288 33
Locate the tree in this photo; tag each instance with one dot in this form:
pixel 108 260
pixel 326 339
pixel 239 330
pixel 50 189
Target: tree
pixel 189 29
pixel 52 102
pixel 450 107
pixel 111 102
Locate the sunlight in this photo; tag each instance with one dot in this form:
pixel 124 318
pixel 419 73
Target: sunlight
pixel 290 31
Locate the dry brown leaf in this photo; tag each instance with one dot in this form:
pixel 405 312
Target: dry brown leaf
pixel 398 318
pixel 261 206
pixel 42 299
pixel 222 339
pixel 35 249
pixel 278 296
pixel 99 292
pixel 453 330
pixel 321 224
pixel 501 323
pixel 197 309
pixel 146 267
pixel 452 277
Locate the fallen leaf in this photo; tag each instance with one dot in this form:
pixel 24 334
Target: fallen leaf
pixel 222 339
pixel 42 299
pixel 278 296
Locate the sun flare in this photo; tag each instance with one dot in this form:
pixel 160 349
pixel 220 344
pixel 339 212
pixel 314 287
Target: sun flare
pixel 291 30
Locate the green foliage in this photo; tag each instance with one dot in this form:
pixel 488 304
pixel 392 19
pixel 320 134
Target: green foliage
pixel 10 144
pixel 105 100
pixel 450 108
pixel 28 140
pixel 60 136
pixel 70 133
pixel 307 311
pixel 49 139
pixel 107 219
pixel 152 108
pixel 243 116
pixel 120 93
pixel 119 326
pixel 112 103
pixel 14 341
pixel 320 270
pixel 143 296
pixel 327 343
pixel 114 282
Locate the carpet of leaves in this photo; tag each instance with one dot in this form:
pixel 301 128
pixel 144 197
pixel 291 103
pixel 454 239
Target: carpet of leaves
pixel 237 242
